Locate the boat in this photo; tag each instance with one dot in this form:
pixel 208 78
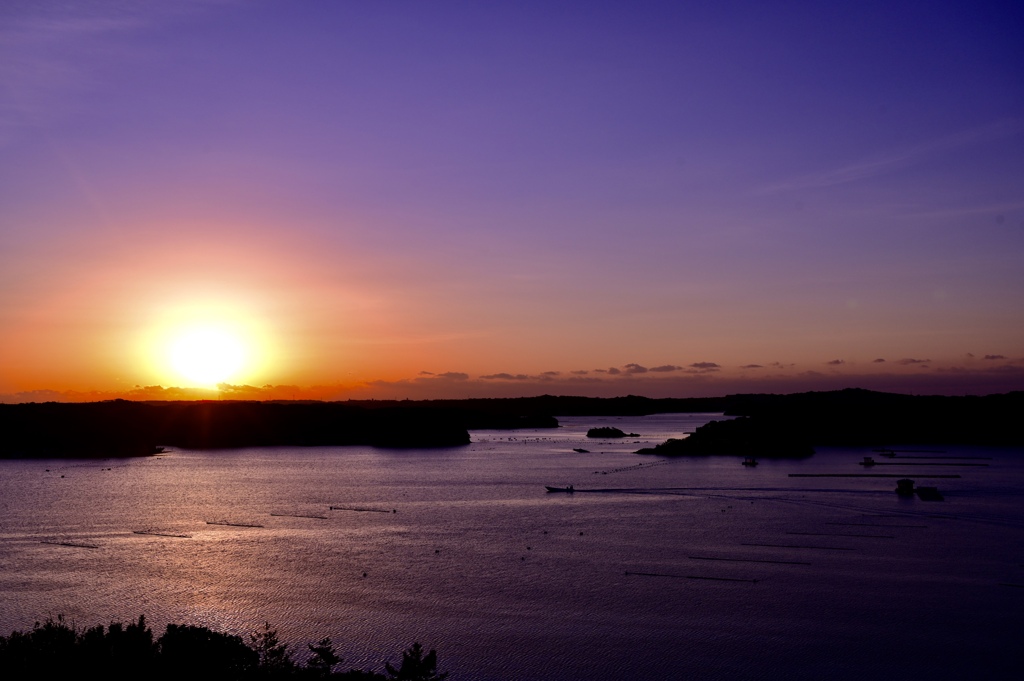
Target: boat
pixel 750 461
pixel 568 489
pixel 868 461
pixel 905 487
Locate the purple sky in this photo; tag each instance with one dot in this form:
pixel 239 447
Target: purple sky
pixel 449 198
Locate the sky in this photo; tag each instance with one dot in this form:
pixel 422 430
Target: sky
pixel 383 199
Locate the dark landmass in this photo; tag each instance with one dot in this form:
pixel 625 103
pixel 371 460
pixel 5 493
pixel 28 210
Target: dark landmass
pixel 56 650
pixel 744 436
pixel 543 407
pixel 841 417
pixel 608 431
pixel 120 428
pixel 864 417
pixel 788 425
pixel 779 422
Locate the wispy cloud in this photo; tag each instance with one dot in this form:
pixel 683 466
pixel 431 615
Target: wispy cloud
pixel 912 155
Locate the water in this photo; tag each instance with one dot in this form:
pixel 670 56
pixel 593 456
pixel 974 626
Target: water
pixel 462 550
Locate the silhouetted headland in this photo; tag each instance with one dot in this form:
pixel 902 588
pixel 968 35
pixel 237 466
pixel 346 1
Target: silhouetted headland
pixel 741 436
pixel 775 425
pixel 789 425
pixel 120 428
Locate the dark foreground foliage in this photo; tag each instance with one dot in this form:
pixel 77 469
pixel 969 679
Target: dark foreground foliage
pixel 55 649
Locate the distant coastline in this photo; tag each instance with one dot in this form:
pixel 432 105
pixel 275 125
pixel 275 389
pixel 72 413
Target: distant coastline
pixel 789 426
pixel 121 428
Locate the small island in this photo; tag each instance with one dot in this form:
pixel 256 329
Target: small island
pixel 608 431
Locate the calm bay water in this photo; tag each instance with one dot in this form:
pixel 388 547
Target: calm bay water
pixel 654 569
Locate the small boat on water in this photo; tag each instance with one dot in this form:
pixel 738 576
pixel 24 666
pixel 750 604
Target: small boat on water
pixel 868 461
pixel 568 489
pixel 750 461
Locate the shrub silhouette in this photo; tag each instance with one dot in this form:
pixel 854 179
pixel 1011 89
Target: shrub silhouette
pixel 190 651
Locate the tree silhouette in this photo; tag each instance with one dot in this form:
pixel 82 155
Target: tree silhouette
pixel 274 657
pixel 324 658
pixel 416 666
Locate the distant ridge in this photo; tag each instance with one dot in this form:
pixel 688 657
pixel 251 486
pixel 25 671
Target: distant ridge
pixel 852 416
pixel 120 428
pixel 790 425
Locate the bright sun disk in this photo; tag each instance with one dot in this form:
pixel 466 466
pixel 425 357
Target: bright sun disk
pixel 207 355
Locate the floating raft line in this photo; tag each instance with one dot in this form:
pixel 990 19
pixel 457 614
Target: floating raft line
pixel 867 475
pixel 922 451
pixel 751 560
pixel 298 515
pixel 1016 586
pixel 716 579
pixel 800 546
pixel 157 533
pixel 843 534
pixel 361 510
pixel 634 467
pixel 224 522
pixel 70 543
pixel 976 458
pixel 920 463
pixel 877 525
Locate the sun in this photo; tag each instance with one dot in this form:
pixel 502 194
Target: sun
pixel 188 344
pixel 207 355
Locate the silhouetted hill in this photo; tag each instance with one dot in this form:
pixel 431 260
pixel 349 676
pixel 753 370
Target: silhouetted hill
pixel 863 417
pixel 850 417
pixel 788 425
pixel 121 428
pixel 547 406
pixel 744 436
